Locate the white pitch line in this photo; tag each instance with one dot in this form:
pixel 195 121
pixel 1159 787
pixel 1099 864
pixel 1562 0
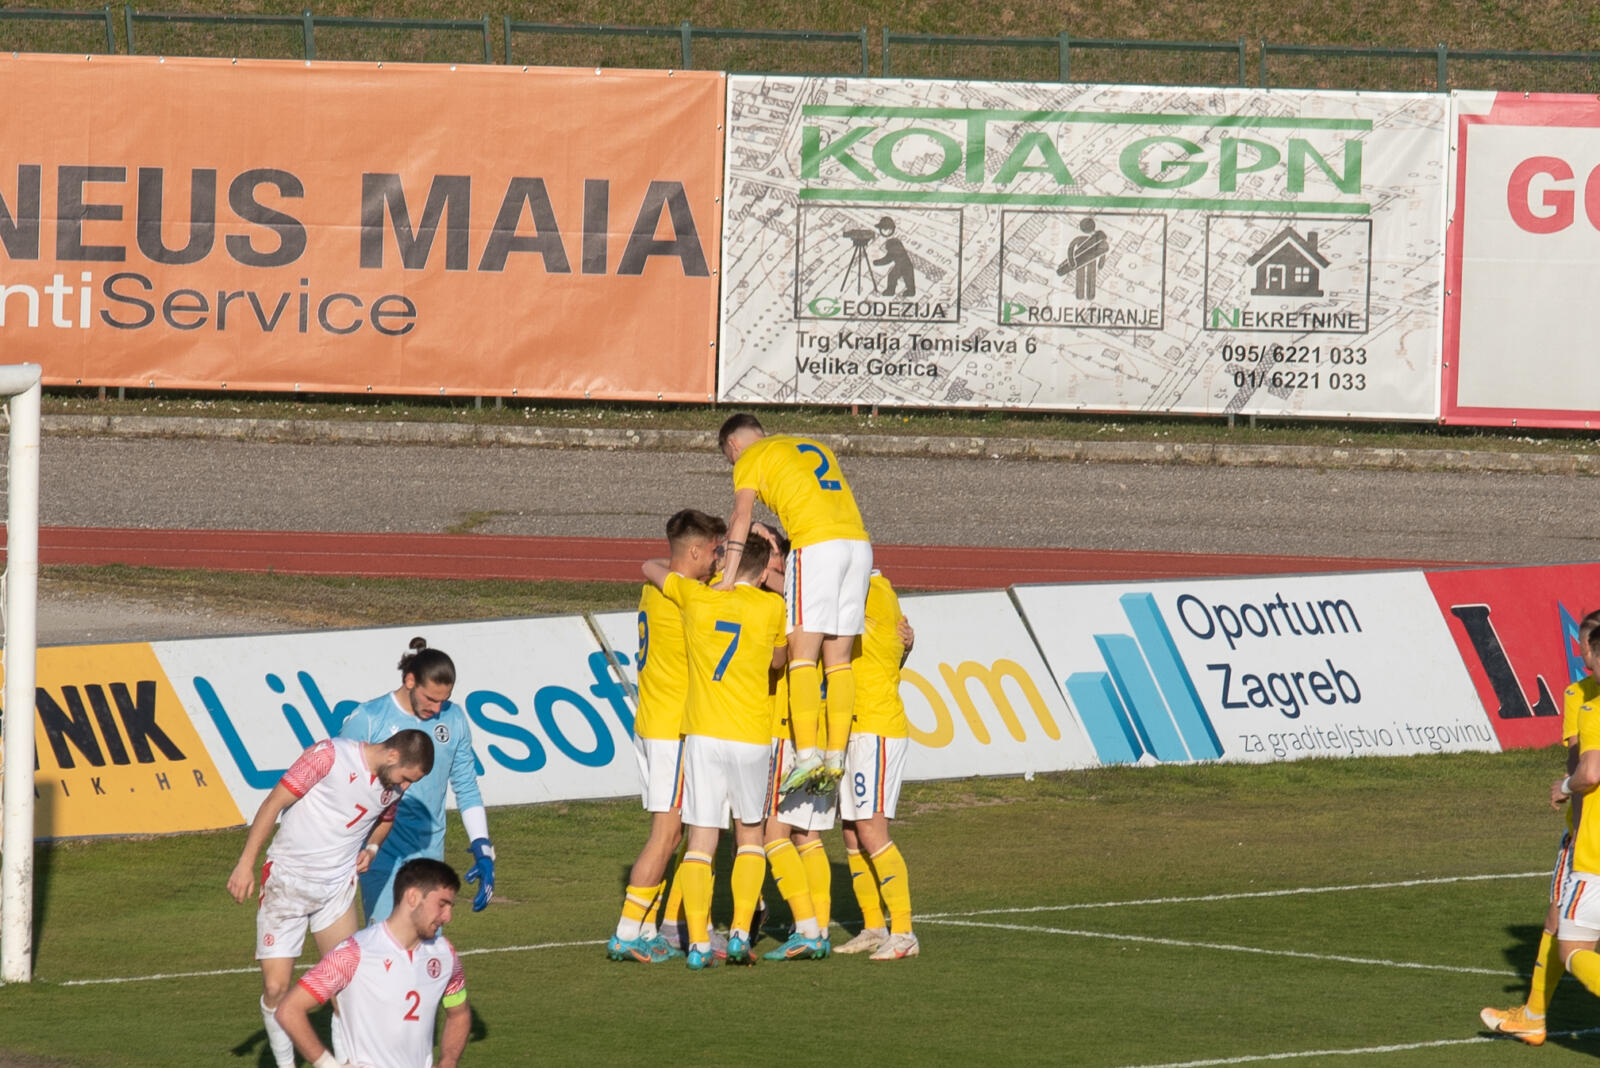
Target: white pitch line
pixel 1256 1058
pixel 1222 946
pixel 303 967
pixel 1296 891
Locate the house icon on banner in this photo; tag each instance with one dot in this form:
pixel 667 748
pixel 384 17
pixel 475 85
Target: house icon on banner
pixel 1288 265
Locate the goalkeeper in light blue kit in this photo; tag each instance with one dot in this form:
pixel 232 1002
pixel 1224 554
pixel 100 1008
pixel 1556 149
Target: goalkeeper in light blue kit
pixel 423 703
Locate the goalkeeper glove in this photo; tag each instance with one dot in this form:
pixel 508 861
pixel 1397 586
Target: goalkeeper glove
pixel 482 869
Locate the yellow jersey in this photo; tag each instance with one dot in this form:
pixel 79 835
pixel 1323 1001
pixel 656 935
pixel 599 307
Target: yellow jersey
pixel 730 636
pixel 663 668
pixel 1584 690
pixel 780 707
pixel 875 662
pixel 799 479
pixel 1586 845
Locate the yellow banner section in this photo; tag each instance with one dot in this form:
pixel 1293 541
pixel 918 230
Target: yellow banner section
pixel 115 752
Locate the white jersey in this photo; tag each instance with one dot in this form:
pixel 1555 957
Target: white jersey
pixel 388 996
pixel 339 801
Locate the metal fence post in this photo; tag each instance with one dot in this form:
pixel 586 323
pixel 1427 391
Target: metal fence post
pixel 1242 63
pixel 1443 62
pixel 508 39
pixel 111 35
pixel 885 51
pixel 687 37
pixel 865 54
pixel 127 25
pixel 1263 82
pixel 487 55
pixel 308 32
pixel 1063 62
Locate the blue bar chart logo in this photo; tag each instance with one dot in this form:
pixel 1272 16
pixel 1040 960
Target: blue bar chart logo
pixel 1144 703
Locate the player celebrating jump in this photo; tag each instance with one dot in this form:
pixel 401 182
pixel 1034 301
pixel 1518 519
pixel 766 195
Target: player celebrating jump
pixel 337 793
pixel 391 979
pixel 427 677
pixel 826 575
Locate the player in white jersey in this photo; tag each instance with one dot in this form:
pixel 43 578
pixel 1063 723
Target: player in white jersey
pixel 390 979
pixel 337 802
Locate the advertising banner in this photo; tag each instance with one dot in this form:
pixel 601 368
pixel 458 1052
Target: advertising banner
pixel 549 721
pixel 403 228
pixel 1517 631
pixel 978 696
pixel 1258 669
pixel 115 752
pixel 1083 246
pixel 1521 316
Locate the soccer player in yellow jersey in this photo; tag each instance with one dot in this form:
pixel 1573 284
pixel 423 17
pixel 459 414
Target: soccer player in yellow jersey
pixel 692 540
pixel 1526 1021
pixel 1579 926
pixel 873 770
pixel 825 587
pixel 735 639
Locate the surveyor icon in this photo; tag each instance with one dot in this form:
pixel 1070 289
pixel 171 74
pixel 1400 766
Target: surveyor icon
pixel 897 259
pixel 1085 255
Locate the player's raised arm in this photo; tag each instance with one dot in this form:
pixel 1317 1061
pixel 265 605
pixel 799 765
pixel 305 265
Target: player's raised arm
pixel 656 571
pixel 242 881
pixel 744 508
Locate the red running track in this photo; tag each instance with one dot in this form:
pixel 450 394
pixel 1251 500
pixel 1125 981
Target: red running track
pixel 495 556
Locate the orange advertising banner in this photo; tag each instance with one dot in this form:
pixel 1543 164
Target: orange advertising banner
pixel 342 227
pixel 114 750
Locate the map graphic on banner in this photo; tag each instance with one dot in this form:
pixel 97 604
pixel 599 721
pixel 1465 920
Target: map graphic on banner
pixel 1074 246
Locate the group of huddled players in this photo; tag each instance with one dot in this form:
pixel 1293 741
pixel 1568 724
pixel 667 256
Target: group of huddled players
pixel 1572 921
pixel 730 723
pixel 733 669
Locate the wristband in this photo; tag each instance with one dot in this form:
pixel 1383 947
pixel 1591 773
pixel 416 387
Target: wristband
pixel 373 847
pixel 1566 786
pixel 327 1060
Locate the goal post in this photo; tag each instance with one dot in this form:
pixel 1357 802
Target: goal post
pixel 21 384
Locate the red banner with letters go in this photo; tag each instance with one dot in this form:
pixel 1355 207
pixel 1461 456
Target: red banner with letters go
pixel 341 227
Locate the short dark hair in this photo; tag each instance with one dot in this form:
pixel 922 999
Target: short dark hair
pixel 736 423
pixel 427 875
pixel 757 551
pixel 414 747
pixel 693 523
pixel 428 665
pixel 778 535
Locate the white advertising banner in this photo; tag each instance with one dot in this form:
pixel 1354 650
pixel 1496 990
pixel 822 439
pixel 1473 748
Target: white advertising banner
pixel 1521 315
pixel 1083 246
pixel 1259 669
pixel 549 721
pixel 978 696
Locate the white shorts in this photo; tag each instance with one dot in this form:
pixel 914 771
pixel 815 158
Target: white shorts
pixel 874 767
pixel 1563 868
pixel 291 904
pixel 661 772
pixel 722 778
pixel 1580 908
pixel 800 809
pixel 825 587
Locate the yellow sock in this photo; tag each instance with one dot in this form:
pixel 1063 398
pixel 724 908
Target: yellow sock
pixel 673 913
pixel 789 872
pixel 635 906
pixel 819 877
pixel 694 876
pixel 1546 974
pixel 1584 966
pixel 841 706
pixel 895 886
pixel 805 704
pixel 749 872
pixel 864 883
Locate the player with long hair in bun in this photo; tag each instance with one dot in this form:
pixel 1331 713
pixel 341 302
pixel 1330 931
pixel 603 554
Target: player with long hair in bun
pixel 422 702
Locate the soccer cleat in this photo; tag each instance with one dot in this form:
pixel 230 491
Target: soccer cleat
pixel 897 946
pixel 869 939
pixel 1515 1022
pixel 739 950
pixel 800 774
pixel 662 950
pixel 635 949
pixel 799 947
pixel 699 962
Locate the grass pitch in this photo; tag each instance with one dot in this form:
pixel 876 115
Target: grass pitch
pixel 1120 917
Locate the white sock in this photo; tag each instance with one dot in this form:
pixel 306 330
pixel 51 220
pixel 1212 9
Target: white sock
pixel 628 930
pixel 648 932
pixel 277 1038
pixel 808 928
